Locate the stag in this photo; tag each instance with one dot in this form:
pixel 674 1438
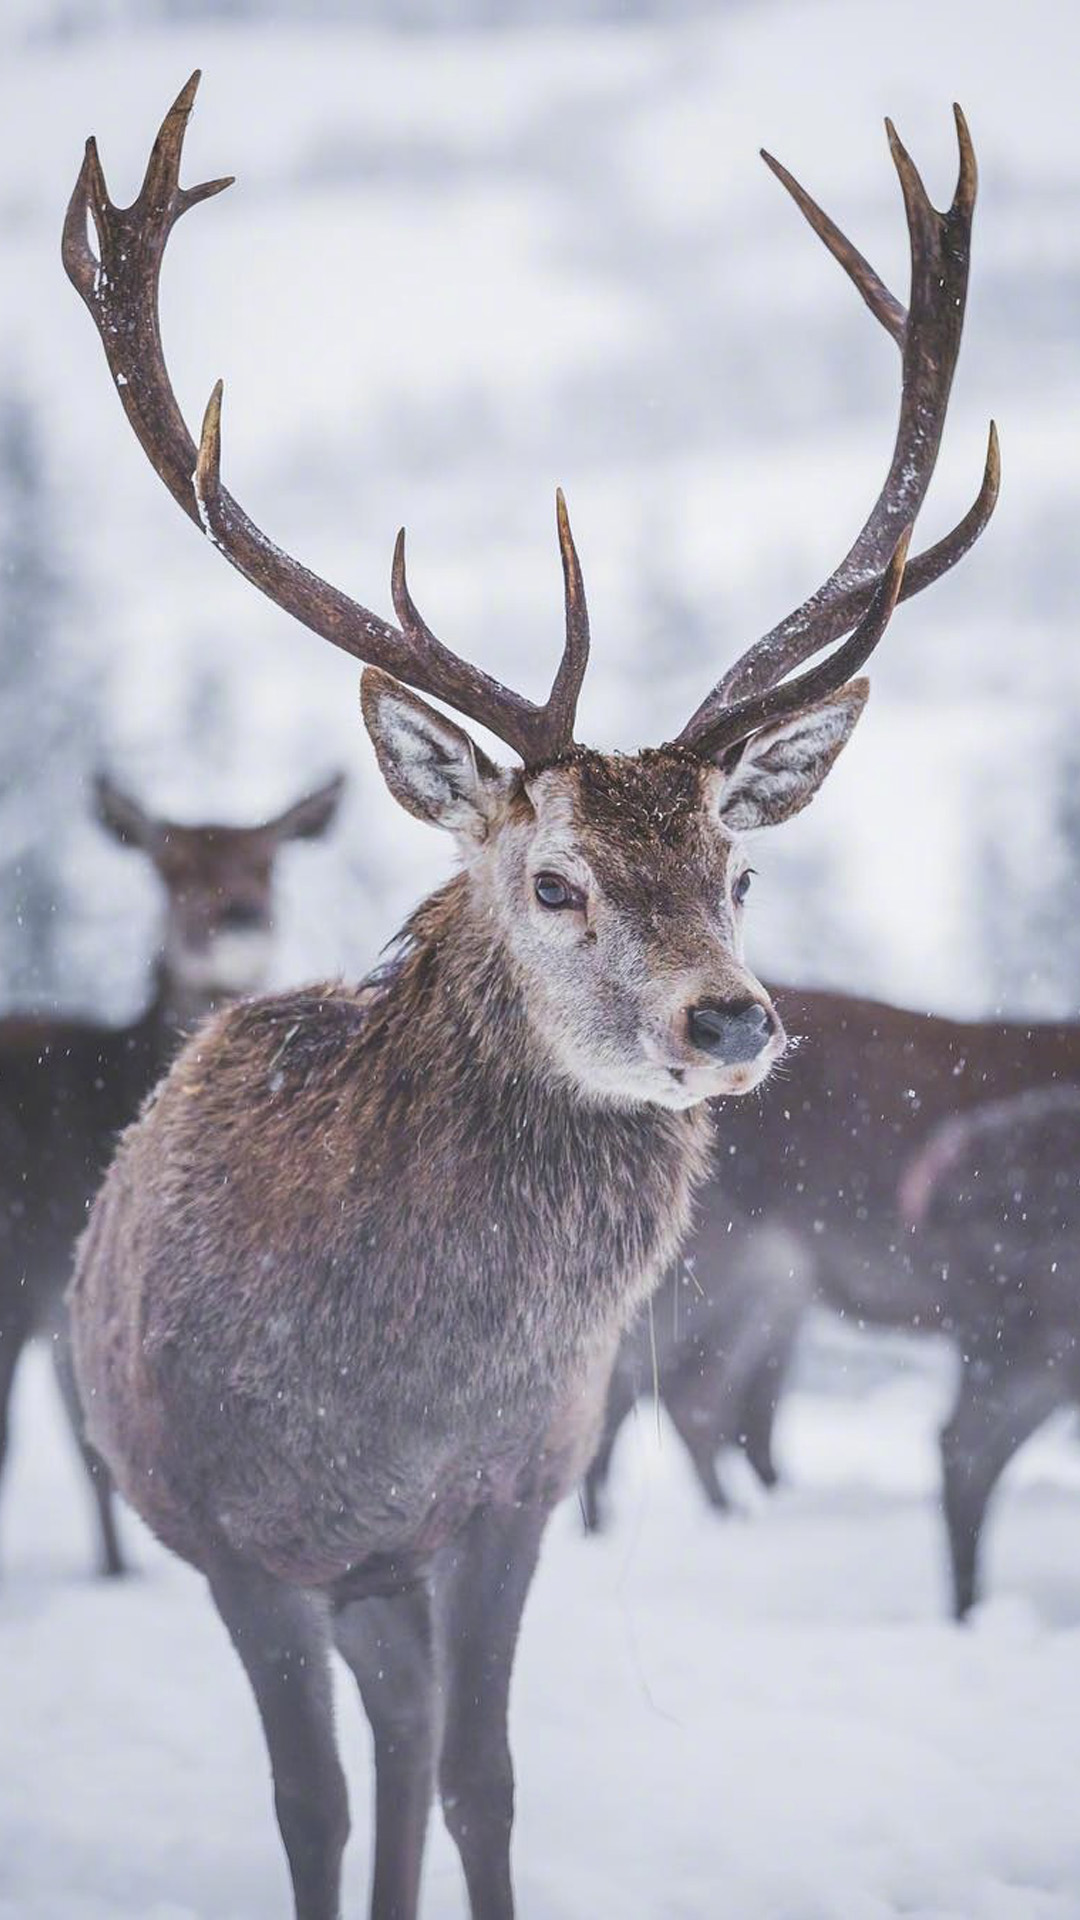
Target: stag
pixel 866 1085
pixel 993 1200
pixel 67 1086
pixel 347 1303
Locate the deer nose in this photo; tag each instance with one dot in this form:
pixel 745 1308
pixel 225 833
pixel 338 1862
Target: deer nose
pixel 732 1033
pixel 239 916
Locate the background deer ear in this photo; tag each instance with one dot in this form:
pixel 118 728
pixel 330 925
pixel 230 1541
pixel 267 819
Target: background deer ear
pixel 309 817
pixel 778 771
pixel 123 817
pixel 430 765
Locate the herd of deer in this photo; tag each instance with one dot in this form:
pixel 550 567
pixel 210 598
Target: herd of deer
pixel 353 1310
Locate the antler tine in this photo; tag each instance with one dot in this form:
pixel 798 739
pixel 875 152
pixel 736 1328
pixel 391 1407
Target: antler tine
pixel 566 687
pixel 883 305
pixel 536 733
pixel 757 710
pixel 934 561
pixel 119 286
pixel 928 334
pixel 434 669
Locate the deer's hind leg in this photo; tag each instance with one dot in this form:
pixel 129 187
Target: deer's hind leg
pixel 389 1644
pixel 998 1406
pixel 282 1635
pixel 111 1561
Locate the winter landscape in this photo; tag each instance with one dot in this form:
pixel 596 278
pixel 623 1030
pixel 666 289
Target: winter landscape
pixel 473 253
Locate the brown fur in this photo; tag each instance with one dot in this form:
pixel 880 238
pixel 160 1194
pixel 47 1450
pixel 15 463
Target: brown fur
pixel 436 1360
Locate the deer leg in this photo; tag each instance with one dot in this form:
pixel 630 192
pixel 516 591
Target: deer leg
pixel 480 1592
pixel 110 1559
pixel 283 1638
pixel 14 1333
pixel 622 1393
pixel 389 1644
pixel 996 1410
pixel 757 1418
pixel 691 1402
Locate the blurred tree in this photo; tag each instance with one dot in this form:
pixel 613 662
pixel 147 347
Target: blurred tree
pixel 1029 886
pixel 47 730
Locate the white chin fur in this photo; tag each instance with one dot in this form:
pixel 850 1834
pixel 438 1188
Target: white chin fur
pixel 656 1086
pixel 231 963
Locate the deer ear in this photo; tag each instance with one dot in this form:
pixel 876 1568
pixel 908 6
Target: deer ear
pixel 308 818
pixel 778 771
pixel 123 817
pixel 429 764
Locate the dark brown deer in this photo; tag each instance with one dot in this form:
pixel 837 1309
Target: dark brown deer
pixel 68 1086
pixel 820 1165
pixel 993 1201
pixel 348 1300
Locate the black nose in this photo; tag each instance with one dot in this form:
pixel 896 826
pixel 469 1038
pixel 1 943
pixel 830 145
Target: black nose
pixel 241 915
pixel 731 1033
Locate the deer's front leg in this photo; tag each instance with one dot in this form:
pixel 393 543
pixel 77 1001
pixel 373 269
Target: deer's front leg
pixel 283 1639
pixel 480 1593
pixel 389 1644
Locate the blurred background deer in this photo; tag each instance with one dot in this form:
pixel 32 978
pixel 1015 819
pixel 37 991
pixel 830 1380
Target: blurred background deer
pixel 68 1086
pixel 804 1210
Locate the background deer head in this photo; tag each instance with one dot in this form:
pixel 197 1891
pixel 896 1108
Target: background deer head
pixel 219 886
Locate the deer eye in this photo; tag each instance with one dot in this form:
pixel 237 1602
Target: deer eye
pixel 552 891
pixel 742 886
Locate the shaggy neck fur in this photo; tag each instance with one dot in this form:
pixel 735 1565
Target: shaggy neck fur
pixel 417 1165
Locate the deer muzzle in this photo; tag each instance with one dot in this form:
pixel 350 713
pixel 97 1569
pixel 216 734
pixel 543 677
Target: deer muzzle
pixel 731 1033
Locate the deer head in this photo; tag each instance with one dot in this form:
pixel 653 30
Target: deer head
pixel 614 884
pixel 219 886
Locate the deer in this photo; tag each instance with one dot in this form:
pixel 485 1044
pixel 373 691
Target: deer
pixel 864 1088
pixel 993 1201
pixel 349 1296
pixel 712 1345
pixel 69 1086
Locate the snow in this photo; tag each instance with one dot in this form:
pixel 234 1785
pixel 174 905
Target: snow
pixel 767 1717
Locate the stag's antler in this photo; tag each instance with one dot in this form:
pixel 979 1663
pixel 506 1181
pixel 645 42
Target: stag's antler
pixel 928 335
pixel 119 285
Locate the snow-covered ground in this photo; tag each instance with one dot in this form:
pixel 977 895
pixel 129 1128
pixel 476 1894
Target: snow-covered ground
pixel 765 1719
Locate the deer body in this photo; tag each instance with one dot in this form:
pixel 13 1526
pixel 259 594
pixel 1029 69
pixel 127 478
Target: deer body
pixel 68 1087
pixel 447 1315
pixel 348 1299
pixel 820 1166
